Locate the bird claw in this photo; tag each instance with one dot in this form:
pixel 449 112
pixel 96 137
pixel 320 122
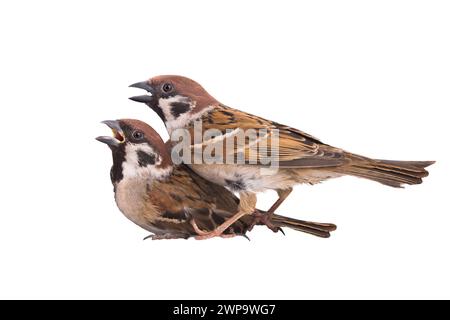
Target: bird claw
pixel 211 234
pixel 203 235
pixel 166 236
pixel 214 234
pixel 260 218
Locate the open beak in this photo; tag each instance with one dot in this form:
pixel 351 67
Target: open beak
pixel 118 136
pixel 147 87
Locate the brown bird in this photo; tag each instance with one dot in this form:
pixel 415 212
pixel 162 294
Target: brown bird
pixel 181 103
pixel 165 199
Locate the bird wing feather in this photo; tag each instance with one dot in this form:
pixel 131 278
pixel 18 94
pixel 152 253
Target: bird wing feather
pixel 185 196
pixel 296 148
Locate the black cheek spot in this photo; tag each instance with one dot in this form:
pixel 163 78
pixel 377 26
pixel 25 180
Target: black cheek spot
pixel 144 158
pixel 178 108
pixel 235 185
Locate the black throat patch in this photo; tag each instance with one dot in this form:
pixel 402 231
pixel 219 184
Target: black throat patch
pixel 178 108
pixel 118 154
pixel 144 158
pixel 155 107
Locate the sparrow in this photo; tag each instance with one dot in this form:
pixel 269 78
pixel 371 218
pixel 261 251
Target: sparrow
pixel 173 202
pixel 181 103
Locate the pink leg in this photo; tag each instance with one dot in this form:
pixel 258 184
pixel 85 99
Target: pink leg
pixel 246 206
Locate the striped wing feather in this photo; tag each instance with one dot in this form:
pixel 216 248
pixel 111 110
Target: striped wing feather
pixel 296 148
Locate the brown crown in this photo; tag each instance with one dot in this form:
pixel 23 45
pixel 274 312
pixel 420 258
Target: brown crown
pixel 188 88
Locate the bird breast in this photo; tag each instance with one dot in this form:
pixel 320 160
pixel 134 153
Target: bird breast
pixel 132 199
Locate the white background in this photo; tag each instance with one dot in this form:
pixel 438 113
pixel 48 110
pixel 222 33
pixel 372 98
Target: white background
pixel 372 77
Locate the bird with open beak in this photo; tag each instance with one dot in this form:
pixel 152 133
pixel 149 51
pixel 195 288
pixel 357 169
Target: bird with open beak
pixel 181 103
pixel 173 201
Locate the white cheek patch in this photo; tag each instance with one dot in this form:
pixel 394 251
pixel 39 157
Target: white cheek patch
pixel 142 161
pixel 175 107
pixel 131 167
pixel 177 111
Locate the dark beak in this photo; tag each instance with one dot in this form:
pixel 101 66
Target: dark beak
pixel 118 135
pixel 147 87
pixel 143 99
pixel 143 85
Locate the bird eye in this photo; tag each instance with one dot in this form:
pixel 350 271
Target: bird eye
pixel 138 135
pixel 167 87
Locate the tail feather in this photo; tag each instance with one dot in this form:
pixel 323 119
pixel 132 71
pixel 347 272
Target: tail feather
pixel 315 228
pixel 389 172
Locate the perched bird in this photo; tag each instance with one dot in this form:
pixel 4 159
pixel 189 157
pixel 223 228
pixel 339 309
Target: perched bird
pixel 181 103
pixel 165 199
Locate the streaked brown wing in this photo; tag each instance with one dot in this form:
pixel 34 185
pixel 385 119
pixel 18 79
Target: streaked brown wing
pixel 296 148
pixel 186 195
pixel 185 189
pixel 206 220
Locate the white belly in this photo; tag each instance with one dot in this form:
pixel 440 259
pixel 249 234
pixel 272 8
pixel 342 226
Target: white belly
pixel 244 178
pixel 254 179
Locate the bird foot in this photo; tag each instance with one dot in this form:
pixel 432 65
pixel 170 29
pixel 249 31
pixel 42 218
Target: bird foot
pixel 218 232
pixel 203 235
pixel 212 234
pixel 260 218
pixel 167 236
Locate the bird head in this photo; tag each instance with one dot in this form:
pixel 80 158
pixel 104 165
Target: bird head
pixel 137 149
pixel 175 99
